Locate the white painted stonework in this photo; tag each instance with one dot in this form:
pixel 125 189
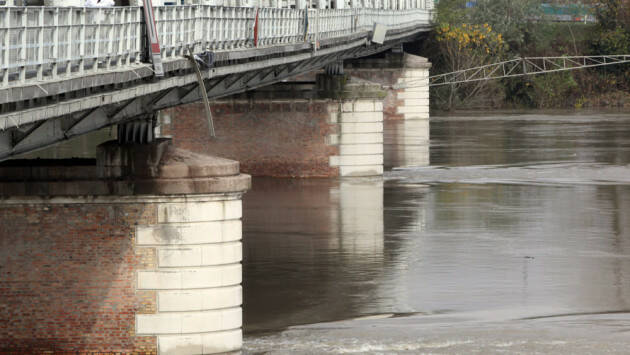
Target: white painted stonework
pixel 198 276
pixel 359 138
pixel 415 95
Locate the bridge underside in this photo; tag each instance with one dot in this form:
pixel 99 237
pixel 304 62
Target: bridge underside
pixel 38 115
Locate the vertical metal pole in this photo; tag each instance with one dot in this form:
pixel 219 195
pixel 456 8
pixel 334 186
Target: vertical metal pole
pixel 202 92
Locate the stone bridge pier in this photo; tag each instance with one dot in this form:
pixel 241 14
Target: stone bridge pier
pixel 318 125
pixel 405 110
pixel 137 253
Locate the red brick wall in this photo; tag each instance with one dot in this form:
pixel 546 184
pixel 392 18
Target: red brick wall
pixel 268 138
pixel 67 278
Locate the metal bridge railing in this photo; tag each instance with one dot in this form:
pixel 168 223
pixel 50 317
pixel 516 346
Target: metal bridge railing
pixel 44 43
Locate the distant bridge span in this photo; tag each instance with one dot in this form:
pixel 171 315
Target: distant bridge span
pixel 69 71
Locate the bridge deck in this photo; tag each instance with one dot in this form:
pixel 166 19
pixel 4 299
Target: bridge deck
pixel 69 71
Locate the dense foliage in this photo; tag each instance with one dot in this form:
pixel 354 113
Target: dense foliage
pixel 495 30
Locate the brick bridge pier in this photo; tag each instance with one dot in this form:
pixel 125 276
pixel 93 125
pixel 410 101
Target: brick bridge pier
pixel 317 125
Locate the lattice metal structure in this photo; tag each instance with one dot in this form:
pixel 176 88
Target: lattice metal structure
pixel 516 68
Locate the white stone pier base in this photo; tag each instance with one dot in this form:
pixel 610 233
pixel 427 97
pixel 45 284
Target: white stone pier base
pixel 357 111
pixel 413 99
pixel 359 137
pixel 197 241
pixel 407 140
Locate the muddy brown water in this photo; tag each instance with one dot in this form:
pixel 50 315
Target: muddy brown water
pixel 506 233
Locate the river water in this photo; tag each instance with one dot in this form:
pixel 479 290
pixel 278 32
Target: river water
pixel 515 239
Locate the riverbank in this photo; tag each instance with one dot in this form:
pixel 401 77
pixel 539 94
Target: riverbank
pixel 473 37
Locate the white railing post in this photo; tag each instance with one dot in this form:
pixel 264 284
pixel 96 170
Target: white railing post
pixel 6 47
pixel 68 40
pixel 55 44
pixel 138 31
pixel 40 44
pixel 111 37
pixel 23 50
pixel 82 38
pixel 122 23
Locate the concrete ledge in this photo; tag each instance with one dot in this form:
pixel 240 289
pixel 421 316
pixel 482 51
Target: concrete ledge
pixel 136 169
pixel 159 160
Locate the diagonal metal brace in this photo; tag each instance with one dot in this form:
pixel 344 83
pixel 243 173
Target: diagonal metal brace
pixel 202 92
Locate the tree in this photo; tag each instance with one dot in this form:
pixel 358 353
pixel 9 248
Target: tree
pixel 462 47
pixel 613 14
pixel 613 18
pixel 513 19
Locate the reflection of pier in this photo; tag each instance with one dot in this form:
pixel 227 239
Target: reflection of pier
pixel 406 143
pixel 360 217
pixel 308 231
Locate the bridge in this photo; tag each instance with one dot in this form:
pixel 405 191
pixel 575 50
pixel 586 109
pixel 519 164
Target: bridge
pixel 67 71
pixel 137 248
